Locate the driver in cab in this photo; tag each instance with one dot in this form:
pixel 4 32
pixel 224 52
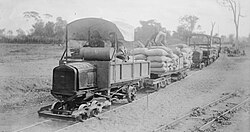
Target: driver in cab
pixel 96 40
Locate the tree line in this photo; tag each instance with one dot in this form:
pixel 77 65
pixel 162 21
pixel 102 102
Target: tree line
pixel 54 32
pixel 188 24
pixel 41 31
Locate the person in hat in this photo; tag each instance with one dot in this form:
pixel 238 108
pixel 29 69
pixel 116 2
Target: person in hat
pixel 96 39
pixel 121 49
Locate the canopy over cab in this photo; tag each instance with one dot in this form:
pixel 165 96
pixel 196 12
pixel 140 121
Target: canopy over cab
pixel 82 29
pixel 96 33
pixel 199 40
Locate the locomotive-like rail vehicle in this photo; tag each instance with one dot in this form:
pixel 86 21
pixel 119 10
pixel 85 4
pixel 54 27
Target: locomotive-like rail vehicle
pixel 93 71
pixel 206 49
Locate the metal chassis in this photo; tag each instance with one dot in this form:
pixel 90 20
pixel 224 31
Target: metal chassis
pixel 120 90
pixel 160 80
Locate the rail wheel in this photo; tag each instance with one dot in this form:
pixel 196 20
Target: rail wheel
pixel 94 113
pixel 184 74
pixel 163 83
pixel 131 93
pixel 82 106
pixel 179 76
pixel 56 106
pixel 168 81
pixel 82 117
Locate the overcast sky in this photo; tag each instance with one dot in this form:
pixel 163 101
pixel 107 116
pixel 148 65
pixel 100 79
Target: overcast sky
pixel 167 12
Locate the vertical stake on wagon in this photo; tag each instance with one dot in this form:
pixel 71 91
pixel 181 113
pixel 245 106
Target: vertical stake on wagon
pixel 147 99
pixel 147 110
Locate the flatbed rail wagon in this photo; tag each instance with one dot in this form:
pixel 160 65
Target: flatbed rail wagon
pixel 159 80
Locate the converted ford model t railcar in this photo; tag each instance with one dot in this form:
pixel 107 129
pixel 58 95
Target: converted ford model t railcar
pixel 87 72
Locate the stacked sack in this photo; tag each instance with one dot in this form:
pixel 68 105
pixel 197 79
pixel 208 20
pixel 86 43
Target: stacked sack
pixel 160 58
pixel 178 57
pixel 177 62
pixel 187 54
pixel 139 53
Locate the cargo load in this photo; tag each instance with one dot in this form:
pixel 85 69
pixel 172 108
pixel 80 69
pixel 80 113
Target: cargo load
pixel 140 57
pixel 158 64
pixel 156 52
pixel 168 50
pixel 159 59
pixel 160 69
pixel 183 50
pixel 137 51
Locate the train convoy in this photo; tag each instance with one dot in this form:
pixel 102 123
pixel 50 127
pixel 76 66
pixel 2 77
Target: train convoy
pixel 206 49
pixel 96 69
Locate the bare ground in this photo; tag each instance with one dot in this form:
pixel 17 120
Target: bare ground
pixel 26 73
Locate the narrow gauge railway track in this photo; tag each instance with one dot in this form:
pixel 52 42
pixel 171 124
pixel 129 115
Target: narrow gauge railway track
pixel 52 125
pixel 198 112
pixel 208 124
pixel 48 125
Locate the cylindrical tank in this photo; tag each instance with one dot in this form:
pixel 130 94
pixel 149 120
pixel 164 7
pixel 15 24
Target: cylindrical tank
pixel 100 54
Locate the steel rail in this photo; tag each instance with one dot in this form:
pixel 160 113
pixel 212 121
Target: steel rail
pixel 169 125
pixel 204 127
pixel 30 126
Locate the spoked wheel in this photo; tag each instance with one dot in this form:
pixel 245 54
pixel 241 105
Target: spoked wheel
pixel 94 113
pixel 131 93
pixel 82 117
pixel 163 83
